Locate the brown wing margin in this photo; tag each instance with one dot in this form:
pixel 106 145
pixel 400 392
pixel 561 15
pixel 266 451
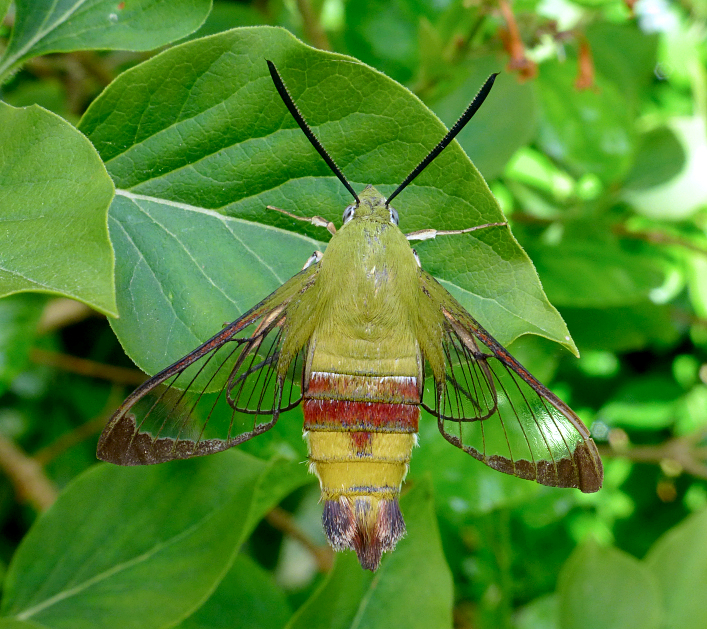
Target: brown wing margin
pixel 492 408
pixel 228 390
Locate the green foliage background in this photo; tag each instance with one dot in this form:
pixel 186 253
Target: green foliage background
pixel 135 184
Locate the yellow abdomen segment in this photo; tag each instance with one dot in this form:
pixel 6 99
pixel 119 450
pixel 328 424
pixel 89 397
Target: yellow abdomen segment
pixel 360 463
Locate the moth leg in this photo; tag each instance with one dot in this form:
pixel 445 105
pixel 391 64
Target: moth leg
pixel 428 234
pixel 313 259
pixel 318 221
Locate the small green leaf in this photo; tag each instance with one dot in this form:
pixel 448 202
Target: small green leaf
pixel 625 54
pixel 44 26
pixel 591 268
pixel 148 544
pixel 54 196
pixel 659 158
pixel 412 588
pixel 606 588
pixel 623 329
pixel 679 561
pixel 246 598
pixel 199 131
pixel 589 130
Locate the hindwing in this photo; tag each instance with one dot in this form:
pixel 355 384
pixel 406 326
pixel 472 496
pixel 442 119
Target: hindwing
pixel 228 390
pixel 490 406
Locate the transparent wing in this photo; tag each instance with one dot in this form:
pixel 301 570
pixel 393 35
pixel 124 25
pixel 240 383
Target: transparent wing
pixel 228 390
pixel 488 405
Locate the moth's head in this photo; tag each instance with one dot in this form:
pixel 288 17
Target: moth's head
pixel 372 207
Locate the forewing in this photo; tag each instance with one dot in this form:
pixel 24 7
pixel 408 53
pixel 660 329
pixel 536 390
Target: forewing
pixel 488 405
pixel 228 390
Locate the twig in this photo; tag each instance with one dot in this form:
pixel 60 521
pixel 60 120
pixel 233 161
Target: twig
pixel 282 521
pixel 681 450
pixel 513 44
pixel 658 238
pixel 90 368
pixel 312 26
pixel 69 439
pixel 61 312
pixel 585 66
pixel 27 476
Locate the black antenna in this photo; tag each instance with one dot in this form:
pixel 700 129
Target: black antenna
pixel 290 104
pixel 451 134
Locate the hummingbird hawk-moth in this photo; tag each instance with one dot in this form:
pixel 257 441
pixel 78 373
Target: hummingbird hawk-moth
pixel 353 337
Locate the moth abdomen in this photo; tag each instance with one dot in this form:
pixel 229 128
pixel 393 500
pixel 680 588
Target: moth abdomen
pixel 360 451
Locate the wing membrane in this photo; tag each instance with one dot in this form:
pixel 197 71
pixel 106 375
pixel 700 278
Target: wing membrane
pixel 228 390
pixel 488 405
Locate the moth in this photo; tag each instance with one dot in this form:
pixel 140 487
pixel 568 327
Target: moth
pixel 352 338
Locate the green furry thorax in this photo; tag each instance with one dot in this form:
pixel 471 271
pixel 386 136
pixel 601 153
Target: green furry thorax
pixel 364 308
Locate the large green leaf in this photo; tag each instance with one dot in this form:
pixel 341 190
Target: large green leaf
pixel 11 623
pixel 54 195
pixel 199 132
pixel 412 588
pixel 147 545
pixel 605 588
pixel 44 26
pixel 246 598
pixel 679 561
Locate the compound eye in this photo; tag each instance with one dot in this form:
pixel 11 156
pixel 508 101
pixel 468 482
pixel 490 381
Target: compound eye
pixel 393 216
pixel 348 213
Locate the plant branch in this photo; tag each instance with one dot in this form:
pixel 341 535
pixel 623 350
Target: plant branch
pixel 282 521
pixel 513 44
pixel 27 476
pixel 312 26
pixel 684 451
pixel 658 238
pixel 89 368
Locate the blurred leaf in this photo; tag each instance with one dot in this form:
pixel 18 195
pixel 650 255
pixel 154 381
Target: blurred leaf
pixel 624 54
pixel 464 487
pixel 541 613
pixel 44 26
pixel 48 93
pixel 351 597
pixel 4 5
pixel 605 588
pixel 589 131
pixel 622 329
pixel 150 543
pixel 385 34
pixel 54 194
pixel 506 122
pixel 659 158
pixel 679 561
pixel 19 316
pixel 648 403
pixel 697 283
pixel 185 157
pixel 591 268
pixel 684 194
pixel 246 598
pixel 227 15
